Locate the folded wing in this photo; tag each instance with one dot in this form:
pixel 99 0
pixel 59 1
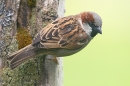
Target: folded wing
pixel 65 32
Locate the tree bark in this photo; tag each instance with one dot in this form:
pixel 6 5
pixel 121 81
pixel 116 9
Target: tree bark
pixel 31 15
pixel 8 18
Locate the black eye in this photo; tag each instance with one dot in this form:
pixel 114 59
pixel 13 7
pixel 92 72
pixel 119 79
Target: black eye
pixel 96 26
pixel 92 24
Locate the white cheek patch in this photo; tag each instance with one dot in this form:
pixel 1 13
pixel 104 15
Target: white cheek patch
pixel 87 28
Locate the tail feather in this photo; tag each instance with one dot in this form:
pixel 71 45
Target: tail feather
pixel 21 56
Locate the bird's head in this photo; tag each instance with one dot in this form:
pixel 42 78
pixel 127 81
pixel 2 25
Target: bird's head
pixel 92 23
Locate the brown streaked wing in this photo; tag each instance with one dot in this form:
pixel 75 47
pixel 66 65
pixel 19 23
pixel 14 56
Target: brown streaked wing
pixel 65 32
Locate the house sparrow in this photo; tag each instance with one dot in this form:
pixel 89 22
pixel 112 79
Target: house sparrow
pixel 65 36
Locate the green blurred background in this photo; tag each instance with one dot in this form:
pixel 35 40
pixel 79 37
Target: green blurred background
pixel 106 60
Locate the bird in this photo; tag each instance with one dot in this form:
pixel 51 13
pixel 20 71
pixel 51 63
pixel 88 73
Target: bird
pixel 63 37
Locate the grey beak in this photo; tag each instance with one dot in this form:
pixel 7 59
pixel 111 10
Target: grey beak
pixel 99 30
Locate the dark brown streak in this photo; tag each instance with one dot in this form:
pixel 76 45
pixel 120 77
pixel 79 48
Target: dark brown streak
pixel 61 23
pixel 56 26
pixel 83 41
pixel 62 41
pixel 67 29
pixel 49 34
pixel 64 44
pixel 76 39
pixel 55 32
pixel 44 34
pixel 72 35
pixel 55 22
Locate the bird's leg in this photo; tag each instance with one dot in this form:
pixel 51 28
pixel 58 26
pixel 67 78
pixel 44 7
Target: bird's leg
pixel 56 60
pixel 50 57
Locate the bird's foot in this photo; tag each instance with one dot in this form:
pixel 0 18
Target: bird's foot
pixel 55 59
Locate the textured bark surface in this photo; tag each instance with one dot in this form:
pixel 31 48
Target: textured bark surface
pixel 8 18
pixel 32 15
pixel 24 13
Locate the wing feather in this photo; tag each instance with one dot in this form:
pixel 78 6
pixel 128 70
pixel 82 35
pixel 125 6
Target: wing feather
pixel 65 32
